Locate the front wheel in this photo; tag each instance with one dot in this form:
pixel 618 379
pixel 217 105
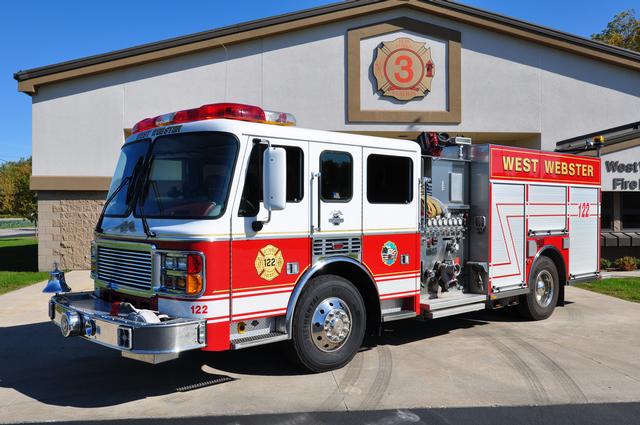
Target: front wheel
pixel 544 286
pixel 328 324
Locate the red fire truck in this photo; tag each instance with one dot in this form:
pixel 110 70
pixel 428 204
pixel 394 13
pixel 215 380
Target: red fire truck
pixel 227 227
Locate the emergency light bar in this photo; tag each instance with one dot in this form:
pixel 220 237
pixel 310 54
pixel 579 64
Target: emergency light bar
pixel 232 111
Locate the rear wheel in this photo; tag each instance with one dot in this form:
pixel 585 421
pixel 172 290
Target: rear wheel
pixel 544 286
pixel 328 323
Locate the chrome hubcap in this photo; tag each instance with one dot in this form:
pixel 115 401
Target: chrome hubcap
pixel 544 288
pixel 331 324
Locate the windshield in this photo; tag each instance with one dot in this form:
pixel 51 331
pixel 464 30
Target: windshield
pixel 128 167
pixel 189 175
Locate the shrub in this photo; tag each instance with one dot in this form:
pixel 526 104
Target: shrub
pixel 626 263
pixel 605 264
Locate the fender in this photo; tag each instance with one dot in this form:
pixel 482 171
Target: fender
pixel 562 271
pixel 309 274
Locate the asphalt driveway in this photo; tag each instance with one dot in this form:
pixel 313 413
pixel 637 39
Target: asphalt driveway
pixel 586 353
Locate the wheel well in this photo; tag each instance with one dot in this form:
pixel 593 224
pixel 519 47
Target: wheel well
pixel 557 259
pixel 361 280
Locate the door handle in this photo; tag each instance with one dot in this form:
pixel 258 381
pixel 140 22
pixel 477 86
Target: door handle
pixel 315 226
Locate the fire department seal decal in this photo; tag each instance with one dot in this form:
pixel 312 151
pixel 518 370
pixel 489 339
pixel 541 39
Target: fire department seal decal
pixel 389 253
pixel 403 68
pixel 269 262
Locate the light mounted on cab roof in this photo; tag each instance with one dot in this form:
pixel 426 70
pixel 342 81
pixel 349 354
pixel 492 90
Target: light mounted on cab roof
pixel 232 111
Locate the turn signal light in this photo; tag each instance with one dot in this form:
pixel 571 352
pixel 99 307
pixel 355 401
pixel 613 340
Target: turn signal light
pixel 194 284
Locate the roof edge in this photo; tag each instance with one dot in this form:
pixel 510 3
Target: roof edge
pixel 541 29
pixel 29 79
pixel 31 73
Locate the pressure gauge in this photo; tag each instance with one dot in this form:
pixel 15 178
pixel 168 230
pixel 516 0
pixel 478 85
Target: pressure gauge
pixel 429 222
pixel 439 222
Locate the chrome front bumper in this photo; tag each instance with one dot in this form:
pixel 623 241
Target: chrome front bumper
pixel 85 315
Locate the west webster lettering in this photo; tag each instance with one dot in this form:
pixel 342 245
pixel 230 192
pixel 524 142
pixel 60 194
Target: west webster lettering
pixel 559 168
pixel 620 183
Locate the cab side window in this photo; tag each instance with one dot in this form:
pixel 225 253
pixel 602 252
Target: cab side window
pixel 252 192
pixel 389 179
pixel 336 176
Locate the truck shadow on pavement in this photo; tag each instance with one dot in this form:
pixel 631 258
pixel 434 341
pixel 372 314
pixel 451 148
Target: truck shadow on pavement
pixel 38 362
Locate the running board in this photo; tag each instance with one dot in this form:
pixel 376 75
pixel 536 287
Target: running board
pixel 252 341
pixel 399 315
pixel 441 303
pixel 454 310
pixel 449 306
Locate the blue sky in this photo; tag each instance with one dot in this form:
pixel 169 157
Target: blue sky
pixel 39 33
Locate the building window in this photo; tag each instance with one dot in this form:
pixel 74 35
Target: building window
pixel 336 176
pixel 606 211
pixel 389 179
pixel 252 192
pixel 630 210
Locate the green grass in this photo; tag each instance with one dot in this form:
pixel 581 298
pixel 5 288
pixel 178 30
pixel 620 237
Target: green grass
pixel 626 289
pixel 10 281
pixel 19 263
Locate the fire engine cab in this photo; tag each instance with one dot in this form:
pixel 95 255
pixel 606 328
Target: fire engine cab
pixel 227 227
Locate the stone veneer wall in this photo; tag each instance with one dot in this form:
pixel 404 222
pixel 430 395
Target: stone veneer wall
pixel 66 220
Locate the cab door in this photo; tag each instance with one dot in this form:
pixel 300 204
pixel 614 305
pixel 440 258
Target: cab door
pixel 266 263
pixel 336 187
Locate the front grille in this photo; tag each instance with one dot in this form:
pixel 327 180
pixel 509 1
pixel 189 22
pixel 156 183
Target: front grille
pixel 336 246
pixel 124 267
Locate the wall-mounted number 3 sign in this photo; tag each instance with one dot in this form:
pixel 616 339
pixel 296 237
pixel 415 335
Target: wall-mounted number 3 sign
pixel 406 66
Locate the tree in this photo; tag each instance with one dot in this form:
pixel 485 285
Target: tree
pixel 622 31
pixel 15 196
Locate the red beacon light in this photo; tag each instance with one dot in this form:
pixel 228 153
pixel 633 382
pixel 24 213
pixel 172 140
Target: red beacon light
pixel 232 111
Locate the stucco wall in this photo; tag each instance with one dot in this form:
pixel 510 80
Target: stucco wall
pixel 508 85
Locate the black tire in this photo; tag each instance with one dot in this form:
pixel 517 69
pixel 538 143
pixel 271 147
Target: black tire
pixel 309 345
pixel 539 303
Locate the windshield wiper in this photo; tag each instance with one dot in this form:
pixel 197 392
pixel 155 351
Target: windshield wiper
pixel 141 200
pixel 109 199
pixel 145 225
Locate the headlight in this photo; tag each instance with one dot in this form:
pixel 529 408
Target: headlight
pixel 182 273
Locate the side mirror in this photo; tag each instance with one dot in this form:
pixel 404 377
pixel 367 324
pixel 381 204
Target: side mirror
pixel 274 178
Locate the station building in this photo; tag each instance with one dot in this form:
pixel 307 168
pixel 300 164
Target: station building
pixel 620 211
pixel 389 68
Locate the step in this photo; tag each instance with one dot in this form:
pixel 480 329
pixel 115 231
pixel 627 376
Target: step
pixel 398 315
pixel 252 341
pixel 455 310
pixel 449 300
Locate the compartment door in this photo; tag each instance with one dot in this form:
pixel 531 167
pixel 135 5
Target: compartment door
pixel 507 238
pixel 584 210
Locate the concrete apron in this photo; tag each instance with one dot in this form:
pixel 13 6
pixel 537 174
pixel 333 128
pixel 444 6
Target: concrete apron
pixel 585 353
